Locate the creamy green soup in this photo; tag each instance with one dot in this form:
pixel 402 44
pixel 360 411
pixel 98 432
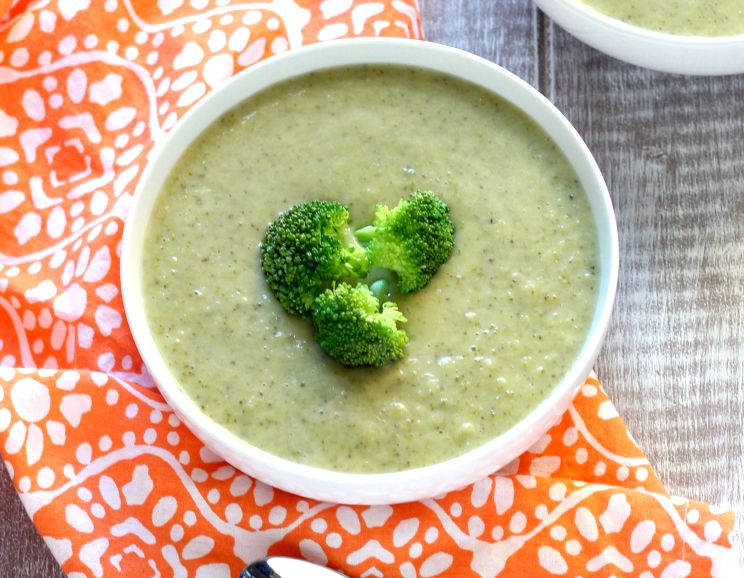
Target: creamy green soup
pixel 490 336
pixel 684 17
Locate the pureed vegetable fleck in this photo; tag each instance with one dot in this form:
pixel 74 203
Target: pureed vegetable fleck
pixel 494 331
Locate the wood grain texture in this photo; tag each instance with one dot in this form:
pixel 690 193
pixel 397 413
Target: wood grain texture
pixel 672 151
pixel 23 553
pixel 506 32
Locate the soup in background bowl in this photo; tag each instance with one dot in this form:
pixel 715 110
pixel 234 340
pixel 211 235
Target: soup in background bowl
pixel 690 18
pixel 700 37
pixel 501 338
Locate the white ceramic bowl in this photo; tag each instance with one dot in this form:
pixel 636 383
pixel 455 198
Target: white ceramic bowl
pixel 700 55
pixel 411 484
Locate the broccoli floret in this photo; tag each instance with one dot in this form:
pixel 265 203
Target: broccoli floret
pixel 413 239
pixel 353 330
pixel 306 249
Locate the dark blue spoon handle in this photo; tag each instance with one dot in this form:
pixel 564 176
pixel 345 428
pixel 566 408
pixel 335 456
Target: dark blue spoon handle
pixel 283 567
pixel 259 569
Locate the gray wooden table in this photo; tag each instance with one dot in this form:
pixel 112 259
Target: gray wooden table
pixel 672 151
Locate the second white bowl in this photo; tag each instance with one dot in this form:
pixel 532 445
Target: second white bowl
pixel 698 55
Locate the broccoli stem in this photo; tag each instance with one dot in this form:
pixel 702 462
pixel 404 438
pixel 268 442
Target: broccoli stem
pixel 381 290
pixel 366 234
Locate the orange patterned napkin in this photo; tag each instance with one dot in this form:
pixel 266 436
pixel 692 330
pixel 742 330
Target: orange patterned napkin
pixel 112 480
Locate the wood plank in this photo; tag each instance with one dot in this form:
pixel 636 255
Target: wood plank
pixel 671 150
pixel 23 554
pixel 505 32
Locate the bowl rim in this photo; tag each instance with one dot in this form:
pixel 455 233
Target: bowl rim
pixel 623 26
pixel 382 485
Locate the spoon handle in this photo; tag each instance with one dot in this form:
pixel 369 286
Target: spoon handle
pixel 259 569
pixel 282 567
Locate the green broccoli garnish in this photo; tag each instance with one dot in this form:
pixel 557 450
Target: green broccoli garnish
pixel 353 330
pixel 306 249
pixel 413 239
pixel 317 268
